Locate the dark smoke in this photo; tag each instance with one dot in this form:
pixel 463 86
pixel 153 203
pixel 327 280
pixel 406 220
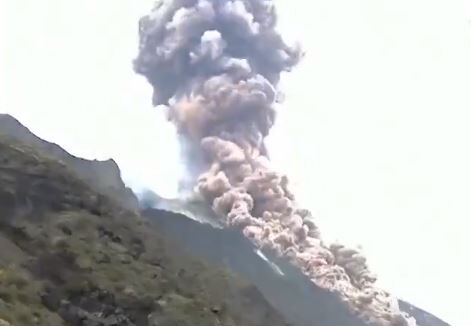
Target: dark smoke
pixel 216 66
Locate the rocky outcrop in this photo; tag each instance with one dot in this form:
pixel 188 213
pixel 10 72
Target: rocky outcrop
pixel 104 176
pixel 70 256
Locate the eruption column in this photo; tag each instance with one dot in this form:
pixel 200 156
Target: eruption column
pixel 216 64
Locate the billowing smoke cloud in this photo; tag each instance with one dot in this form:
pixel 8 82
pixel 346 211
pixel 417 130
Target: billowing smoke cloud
pixel 216 64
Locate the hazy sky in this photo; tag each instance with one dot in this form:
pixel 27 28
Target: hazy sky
pixel 375 131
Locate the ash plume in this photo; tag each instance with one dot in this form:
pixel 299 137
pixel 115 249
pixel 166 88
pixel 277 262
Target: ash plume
pixel 215 65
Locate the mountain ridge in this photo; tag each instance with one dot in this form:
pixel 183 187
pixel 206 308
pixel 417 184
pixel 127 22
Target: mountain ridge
pixel 71 256
pixel 103 176
pixel 280 291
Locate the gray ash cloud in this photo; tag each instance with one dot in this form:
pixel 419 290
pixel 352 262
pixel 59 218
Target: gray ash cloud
pixel 215 64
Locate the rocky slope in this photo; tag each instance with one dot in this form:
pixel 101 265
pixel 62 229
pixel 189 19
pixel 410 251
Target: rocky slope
pixel 103 176
pixel 75 250
pixel 71 256
pixel 284 286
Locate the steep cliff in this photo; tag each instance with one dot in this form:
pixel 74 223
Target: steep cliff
pixel 70 256
pixel 103 176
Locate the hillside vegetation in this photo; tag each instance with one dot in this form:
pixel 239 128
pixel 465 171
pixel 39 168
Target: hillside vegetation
pixel 72 256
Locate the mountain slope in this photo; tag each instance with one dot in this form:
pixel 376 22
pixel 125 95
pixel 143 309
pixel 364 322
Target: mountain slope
pixel 71 256
pixel 103 176
pixel 75 251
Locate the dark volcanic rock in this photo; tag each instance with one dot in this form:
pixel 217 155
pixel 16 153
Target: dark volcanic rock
pixel 104 176
pixel 283 285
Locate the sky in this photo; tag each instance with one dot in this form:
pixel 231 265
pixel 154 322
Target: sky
pixel 374 132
